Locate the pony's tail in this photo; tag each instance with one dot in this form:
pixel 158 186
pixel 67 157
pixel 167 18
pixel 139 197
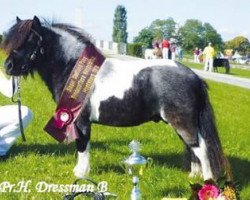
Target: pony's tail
pixel 218 162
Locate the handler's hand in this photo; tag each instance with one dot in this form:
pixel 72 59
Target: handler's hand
pixel 2 75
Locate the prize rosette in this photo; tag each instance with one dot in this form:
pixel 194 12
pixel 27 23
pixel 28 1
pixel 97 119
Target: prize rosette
pixel 63 117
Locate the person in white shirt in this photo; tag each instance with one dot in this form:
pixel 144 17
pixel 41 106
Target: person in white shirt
pixel 9 121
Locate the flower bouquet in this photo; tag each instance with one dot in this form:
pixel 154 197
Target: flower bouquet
pixel 211 190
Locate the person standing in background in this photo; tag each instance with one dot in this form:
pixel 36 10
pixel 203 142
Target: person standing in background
pixel 196 55
pixel 173 50
pixel 165 48
pixel 209 57
pixel 157 52
pixel 180 53
pixel 200 57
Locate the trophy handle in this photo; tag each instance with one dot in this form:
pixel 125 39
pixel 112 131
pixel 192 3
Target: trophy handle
pixel 126 168
pixel 149 162
pixel 122 165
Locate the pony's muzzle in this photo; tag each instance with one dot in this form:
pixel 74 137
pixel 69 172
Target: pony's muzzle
pixel 9 65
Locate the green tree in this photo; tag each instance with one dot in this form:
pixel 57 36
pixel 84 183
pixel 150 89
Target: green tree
pixel 1 37
pixel 239 43
pixel 163 28
pixel 195 34
pixel 192 34
pixel 120 25
pixel 157 30
pixel 145 37
pixel 211 35
pixel 135 49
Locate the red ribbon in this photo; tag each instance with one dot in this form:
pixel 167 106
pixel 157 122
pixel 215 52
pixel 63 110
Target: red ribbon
pixel 75 95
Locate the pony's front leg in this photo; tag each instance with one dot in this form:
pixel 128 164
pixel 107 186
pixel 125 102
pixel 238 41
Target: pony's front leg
pixel 82 167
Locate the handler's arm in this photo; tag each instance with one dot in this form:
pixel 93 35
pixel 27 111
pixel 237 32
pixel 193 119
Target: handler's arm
pixel 6 87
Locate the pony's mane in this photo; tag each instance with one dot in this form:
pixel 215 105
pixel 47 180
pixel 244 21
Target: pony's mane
pixel 18 33
pixel 80 34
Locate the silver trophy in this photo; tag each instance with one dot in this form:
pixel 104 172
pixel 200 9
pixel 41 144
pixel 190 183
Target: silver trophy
pixel 135 165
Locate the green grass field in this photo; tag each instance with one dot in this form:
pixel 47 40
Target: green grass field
pixel 233 71
pixel 41 158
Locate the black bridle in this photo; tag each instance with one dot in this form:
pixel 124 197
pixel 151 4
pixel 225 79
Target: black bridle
pixel 39 49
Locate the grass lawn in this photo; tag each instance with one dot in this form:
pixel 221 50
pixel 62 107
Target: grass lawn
pixel 41 158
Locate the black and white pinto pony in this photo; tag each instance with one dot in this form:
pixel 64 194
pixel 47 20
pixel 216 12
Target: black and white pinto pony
pixel 125 93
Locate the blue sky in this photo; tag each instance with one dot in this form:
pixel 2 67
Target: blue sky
pixel 229 17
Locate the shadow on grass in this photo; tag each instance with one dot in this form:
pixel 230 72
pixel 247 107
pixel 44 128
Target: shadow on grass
pixel 116 168
pixel 43 149
pixel 115 146
pixel 174 192
pixel 240 170
pixel 169 160
pixel 56 149
pixel 61 149
pixel 240 167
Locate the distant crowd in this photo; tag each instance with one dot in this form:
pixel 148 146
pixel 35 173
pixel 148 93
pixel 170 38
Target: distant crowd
pixel 166 49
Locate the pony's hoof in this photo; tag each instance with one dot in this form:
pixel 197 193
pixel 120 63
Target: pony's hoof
pixel 81 171
pixel 195 174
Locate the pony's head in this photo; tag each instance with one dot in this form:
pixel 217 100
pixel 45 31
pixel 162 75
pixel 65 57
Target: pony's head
pixel 24 46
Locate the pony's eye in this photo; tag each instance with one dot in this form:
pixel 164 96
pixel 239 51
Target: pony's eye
pixel 15 52
pixel 31 38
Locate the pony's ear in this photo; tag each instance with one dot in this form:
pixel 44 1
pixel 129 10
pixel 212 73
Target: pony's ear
pixel 18 19
pixel 36 22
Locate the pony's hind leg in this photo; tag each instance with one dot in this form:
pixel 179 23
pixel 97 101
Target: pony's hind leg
pixel 199 150
pixel 192 163
pixel 187 129
pixel 82 167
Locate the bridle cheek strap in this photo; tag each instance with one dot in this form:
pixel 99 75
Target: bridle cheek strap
pixel 38 50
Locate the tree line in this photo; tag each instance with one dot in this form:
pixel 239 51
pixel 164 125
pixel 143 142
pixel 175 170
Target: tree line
pixel 193 33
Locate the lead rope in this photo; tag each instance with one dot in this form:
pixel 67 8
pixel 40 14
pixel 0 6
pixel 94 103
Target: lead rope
pixel 18 101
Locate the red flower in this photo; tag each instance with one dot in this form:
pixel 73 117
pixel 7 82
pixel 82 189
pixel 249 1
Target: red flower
pixel 208 192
